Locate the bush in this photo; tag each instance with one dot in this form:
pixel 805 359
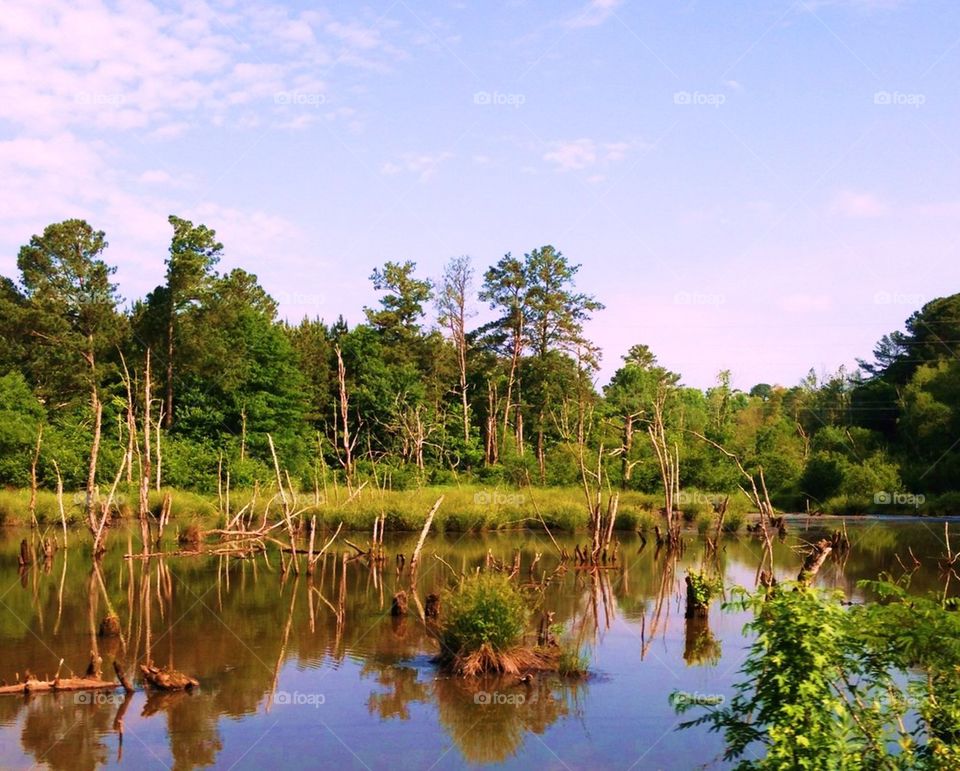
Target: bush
pixel 733 521
pixel 486 609
pixel 705 523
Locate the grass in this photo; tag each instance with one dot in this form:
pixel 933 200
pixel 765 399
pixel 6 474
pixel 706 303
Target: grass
pixel 482 632
pixel 486 615
pixel 472 507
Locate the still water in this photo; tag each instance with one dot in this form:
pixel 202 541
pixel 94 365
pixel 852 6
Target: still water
pixel 312 672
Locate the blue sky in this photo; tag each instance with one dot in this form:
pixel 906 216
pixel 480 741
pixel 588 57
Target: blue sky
pixel 760 186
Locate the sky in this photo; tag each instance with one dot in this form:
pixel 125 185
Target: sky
pixel 763 186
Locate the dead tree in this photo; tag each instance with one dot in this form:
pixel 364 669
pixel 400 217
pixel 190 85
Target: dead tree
pixel 669 461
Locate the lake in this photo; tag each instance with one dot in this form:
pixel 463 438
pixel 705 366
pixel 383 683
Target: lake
pixel 300 672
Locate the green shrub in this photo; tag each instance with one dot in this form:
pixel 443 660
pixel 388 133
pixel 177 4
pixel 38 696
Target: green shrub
pixel 705 523
pixel 733 521
pixel 486 609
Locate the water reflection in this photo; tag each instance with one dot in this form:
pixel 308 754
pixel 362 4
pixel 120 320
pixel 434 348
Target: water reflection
pixel 245 631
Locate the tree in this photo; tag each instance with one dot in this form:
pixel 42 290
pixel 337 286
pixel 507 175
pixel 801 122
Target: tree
pixel 630 397
pixel 194 251
pixel 555 317
pixel 452 305
pixel 401 308
pixel 505 288
pixel 72 313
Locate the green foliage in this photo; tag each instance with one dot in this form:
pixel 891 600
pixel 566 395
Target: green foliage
pixel 733 521
pixel 703 587
pixel 20 418
pixel 486 609
pixel 824 686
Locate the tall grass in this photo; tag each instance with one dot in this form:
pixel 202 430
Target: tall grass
pixel 471 507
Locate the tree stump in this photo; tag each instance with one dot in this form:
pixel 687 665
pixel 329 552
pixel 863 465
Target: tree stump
pixel 167 679
pixel 110 626
pixel 25 558
pixel 399 605
pixel 432 609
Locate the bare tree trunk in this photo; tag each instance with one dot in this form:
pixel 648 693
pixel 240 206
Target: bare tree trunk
pixel 541 458
pixel 344 413
pixel 493 444
pixel 147 429
pixel 626 468
pixel 33 478
pixel 97 409
pixel 159 454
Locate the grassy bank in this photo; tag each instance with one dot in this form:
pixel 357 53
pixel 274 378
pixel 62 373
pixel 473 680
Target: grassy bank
pixel 467 507
pixel 473 507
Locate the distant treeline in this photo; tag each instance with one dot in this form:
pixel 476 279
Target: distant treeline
pixel 512 401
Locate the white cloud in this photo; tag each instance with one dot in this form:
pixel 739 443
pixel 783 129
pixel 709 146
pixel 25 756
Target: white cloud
pixel 586 153
pixel 155 177
pixel 595 13
pixel 858 205
pixel 423 165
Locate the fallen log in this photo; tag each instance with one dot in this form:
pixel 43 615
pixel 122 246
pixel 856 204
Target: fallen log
pixel 166 679
pixel 57 684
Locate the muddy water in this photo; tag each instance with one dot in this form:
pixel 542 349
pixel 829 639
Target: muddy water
pixel 299 673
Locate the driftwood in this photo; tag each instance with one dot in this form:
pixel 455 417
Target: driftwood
pixel 166 679
pixel 814 561
pixel 59 684
pixel 89 682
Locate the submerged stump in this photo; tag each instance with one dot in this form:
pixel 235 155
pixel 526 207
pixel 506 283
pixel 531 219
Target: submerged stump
pixel 398 607
pixel 166 679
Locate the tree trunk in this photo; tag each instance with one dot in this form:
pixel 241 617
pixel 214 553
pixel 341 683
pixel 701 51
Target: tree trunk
pixel 147 459
pixel 169 409
pixel 97 408
pixel 626 470
pixel 541 458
